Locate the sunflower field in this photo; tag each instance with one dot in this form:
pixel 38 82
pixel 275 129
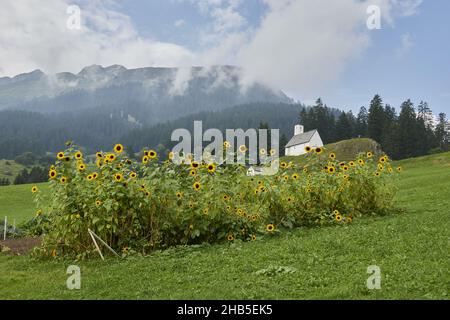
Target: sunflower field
pixel 140 206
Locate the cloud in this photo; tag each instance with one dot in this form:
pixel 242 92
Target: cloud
pixel 179 23
pixel 407 7
pixel 34 35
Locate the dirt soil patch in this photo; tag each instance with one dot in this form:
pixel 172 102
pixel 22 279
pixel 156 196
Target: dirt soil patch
pixel 19 246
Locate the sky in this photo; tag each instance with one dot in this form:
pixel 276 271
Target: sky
pixel 307 48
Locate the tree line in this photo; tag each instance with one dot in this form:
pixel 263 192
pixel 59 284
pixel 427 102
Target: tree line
pixel 411 133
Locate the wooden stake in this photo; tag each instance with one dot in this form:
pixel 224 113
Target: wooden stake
pixel 96 245
pixel 4 228
pixel 99 239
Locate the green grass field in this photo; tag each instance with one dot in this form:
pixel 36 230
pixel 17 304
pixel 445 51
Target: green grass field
pixel 16 202
pixel 412 249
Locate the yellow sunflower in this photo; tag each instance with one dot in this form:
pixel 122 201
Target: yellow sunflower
pixel 332 156
pixel 242 149
pixel 338 218
pixel 226 144
pixel 171 155
pixel 262 152
pixel 195 165
pixel 253 237
pixel 179 195
pixel 230 237
pixel 52 174
pixel 78 155
pixel 361 162
pixel 270 228
pixel 60 155
pixel 197 186
pixel 99 155
pixel 331 170
pixel 118 148
pixel 90 177
pixel 63 180
pixel 118 177
pixel 308 149
pixel 81 167
pixel 98 203
pixel 111 157
pixel 283 165
pixel 318 150
pixel 34 189
pixel 399 169
pixel 369 154
pixel 211 167
pixel 273 152
pixel 133 175
pixel 152 154
pixel 145 159
pixel 295 176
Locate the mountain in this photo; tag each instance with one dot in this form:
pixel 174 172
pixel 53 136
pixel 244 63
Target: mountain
pixel 143 96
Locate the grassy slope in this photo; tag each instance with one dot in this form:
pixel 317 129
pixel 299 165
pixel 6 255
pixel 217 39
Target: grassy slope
pixel 411 249
pixel 16 202
pixel 9 171
pixel 345 150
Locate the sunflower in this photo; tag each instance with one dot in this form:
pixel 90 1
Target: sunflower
pixel 95 175
pixel 331 170
pixel 399 169
pixel 171 155
pixel 98 203
pixel 118 177
pixel 308 190
pixel 256 191
pixel 195 165
pixel 197 186
pixel 305 170
pixel 262 152
pixel 318 150
pixel 99 155
pixel 345 168
pixel 152 154
pixel 191 205
pixel 338 218
pixel 81 167
pixel 286 178
pixel 60 155
pixel 308 149
pixel 377 174
pixel 270 228
pixel 345 177
pixel 352 164
pixel 78 155
pixel 349 219
pixel 254 217
pixel 63 180
pixel 289 199
pixel 38 213
pixel 262 188
pixel 34 189
pixel 230 237
pixel 147 193
pixel 225 197
pixel 99 163
pixel 369 154
pixel 242 149
pixel 341 164
pixel 240 212
pixel 226 144
pixel 332 156
pixel 361 162
pixel 390 170
pixel 295 176
pixel 283 165
pixel 67 159
pixel 145 159
pixel 253 237
pixel 272 152
pixel 383 159
pixel 52 174
pixel 380 167
pixel 118 148
pixel 336 212
pixel 179 195
pixel 205 211
pixel 133 175
pixel 90 177
pixel 211 167
pixel 193 172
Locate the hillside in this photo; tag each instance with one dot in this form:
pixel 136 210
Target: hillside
pixel 9 169
pixel 328 263
pixel 345 150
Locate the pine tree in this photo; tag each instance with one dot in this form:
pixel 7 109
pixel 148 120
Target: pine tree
pixel 361 123
pixel 376 119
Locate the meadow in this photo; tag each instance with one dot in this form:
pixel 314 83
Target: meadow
pixel 411 248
